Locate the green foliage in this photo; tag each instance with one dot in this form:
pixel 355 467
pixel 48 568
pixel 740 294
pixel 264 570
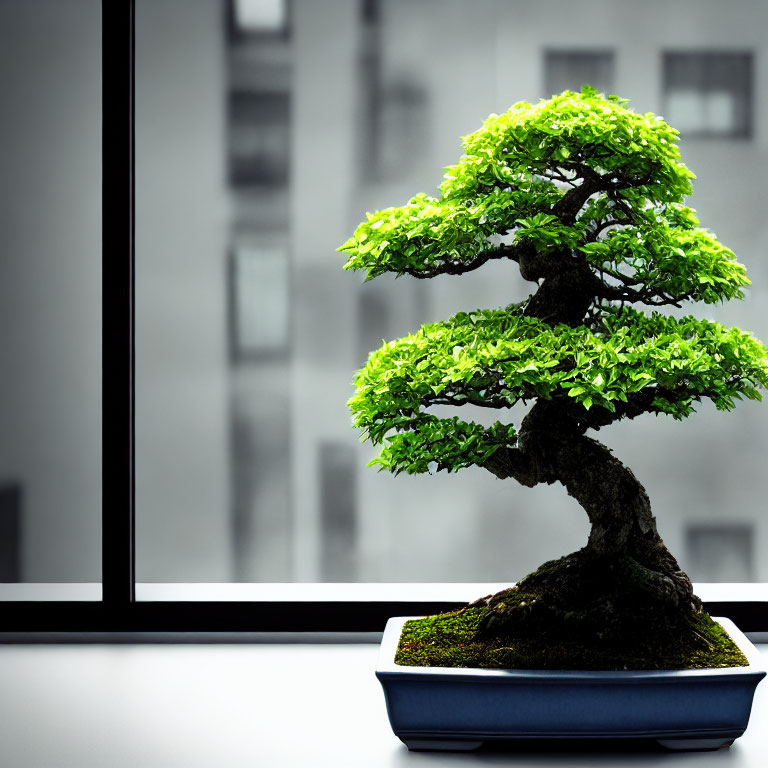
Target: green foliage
pixel 428 443
pixel 669 262
pixel 517 168
pixel 579 178
pixel 427 232
pixel 496 358
pixel 565 132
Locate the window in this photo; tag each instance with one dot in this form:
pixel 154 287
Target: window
pixel 338 504
pixel 395 101
pixel 249 333
pixel 50 294
pixel 251 415
pixel 570 69
pixel 10 532
pixel 259 299
pixel 258 18
pixel 259 139
pixel 709 94
pixel 257 78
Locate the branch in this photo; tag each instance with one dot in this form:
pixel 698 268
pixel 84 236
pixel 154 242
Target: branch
pixel 458 268
pixel 512 462
pixel 572 201
pixel 626 279
pixel 471 395
pixel 637 404
pixel 650 297
pixel 630 182
pixel 622 206
pixel 593 235
pixel 556 174
pixel 430 400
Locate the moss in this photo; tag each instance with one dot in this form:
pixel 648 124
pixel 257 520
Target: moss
pixel 449 640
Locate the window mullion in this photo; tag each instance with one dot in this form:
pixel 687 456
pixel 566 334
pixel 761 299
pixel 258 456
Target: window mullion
pixel 118 252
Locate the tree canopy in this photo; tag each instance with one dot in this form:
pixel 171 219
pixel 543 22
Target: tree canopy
pixel 586 197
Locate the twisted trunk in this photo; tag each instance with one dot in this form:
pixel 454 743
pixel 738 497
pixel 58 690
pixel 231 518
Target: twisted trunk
pixel 624 583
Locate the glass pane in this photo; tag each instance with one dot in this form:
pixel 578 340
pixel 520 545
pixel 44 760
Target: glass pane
pixel 50 294
pixel 709 93
pixel 265 132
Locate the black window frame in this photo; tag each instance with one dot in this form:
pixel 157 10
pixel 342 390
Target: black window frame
pixel 119 612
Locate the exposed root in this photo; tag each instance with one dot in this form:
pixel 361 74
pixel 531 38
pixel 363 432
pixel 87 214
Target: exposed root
pixel 582 596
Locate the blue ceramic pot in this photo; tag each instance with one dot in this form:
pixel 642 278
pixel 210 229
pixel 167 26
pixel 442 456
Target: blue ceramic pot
pixel 462 709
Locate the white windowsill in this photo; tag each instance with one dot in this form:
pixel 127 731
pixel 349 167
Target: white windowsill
pixel 274 703
pixel 270 705
pixel 274 592
pixel 380 592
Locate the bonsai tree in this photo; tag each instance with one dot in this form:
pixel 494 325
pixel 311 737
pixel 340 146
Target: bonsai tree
pixel 585 196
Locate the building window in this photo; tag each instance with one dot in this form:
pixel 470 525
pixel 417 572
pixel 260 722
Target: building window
pixel 259 300
pixel 720 552
pixel 259 139
pixel 10 532
pixel 709 95
pixel 395 105
pixel 338 463
pixel 258 18
pixel 569 70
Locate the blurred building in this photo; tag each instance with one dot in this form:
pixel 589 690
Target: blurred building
pixel 340 107
pixel 265 131
pixel 50 301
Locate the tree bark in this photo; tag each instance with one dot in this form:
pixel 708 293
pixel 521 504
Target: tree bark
pixel 624 582
pixel 568 287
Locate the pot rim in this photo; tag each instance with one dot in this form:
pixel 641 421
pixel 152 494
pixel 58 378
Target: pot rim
pixel 387 668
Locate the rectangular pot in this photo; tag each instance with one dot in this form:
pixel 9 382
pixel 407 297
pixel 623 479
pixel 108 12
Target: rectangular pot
pixel 461 709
